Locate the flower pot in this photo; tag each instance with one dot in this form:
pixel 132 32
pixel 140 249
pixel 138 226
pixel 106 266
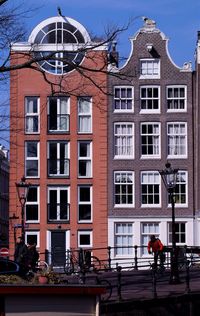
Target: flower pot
pixel 43 279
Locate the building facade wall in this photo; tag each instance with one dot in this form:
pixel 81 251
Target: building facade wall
pixel 149 44
pixel 4 197
pixel 29 83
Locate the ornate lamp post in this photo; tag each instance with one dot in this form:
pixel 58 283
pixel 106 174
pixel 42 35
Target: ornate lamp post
pixel 22 191
pixel 169 177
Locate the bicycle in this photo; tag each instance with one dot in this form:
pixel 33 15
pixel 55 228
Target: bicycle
pixel 81 260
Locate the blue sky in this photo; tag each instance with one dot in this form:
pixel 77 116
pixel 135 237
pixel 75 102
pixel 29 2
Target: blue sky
pixel 179 20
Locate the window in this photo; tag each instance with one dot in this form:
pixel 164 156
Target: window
pixel 57 34
pixel 181 189
pixel 123 188
pixel 58 159
pixel 123 133
pixel 150 99
pixel 123 99
pixel 84 159
pixel 150 181
pixel 177 139
pixel 149 69
pixel 150 140
pixel 176 98
pixel 85 239
pixel 32 237
pixel 123 239
pixel 32 159
pixel 58 115
pixel 180 233
pixel 32 205
pixel 31 115
pixel 148 229
pixel 58 204
pixel 84 115
pixel 84 203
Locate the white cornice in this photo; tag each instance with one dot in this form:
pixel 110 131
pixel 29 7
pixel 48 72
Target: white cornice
pixel 27 47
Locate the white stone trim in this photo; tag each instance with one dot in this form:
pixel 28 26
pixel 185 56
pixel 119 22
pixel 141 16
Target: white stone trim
pixel 27 47
pixel 54 19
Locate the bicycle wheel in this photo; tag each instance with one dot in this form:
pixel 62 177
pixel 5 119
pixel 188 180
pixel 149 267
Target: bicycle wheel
pixel 108 286
pixel 95 263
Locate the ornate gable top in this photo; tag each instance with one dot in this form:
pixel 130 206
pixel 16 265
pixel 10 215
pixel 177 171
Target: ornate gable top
pixel 149 25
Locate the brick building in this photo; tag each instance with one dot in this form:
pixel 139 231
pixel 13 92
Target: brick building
pixel 150 123
pixel 196 141
pixel 59 138
pixel 4 196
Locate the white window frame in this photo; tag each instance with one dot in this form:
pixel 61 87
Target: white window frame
pixel 179 233
pixel 177 98
pixel 119 138
pixel 155 138
pixel 33 203
pixel 152 228
pixel 177 137
pixel 90 202
pixel 31 115
pixel 126 239
pixel 85 158
pixel 84 233
pixel 32 159
pixel 82 115
pixel 58 189
pixel 149 175
pixel 151 99
pixel 59 115
pixel 177 193
pixel 150 64
pixel 127 175
pixel 67 162
pixel 123 99
pixel 33 233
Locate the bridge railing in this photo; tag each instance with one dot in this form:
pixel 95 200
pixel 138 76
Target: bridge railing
pixel 127 258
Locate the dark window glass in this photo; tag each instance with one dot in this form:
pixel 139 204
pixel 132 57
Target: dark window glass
pixel 84 240
pixel 84 212
pixel 31 212
pixel 84 194
pixel 32 195
pixel 32 168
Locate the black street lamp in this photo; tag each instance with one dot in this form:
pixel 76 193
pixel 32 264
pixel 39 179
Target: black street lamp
pixel 169 177
pixel 22 191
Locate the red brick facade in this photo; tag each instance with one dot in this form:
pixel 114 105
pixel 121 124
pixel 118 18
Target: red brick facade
pixel 28 82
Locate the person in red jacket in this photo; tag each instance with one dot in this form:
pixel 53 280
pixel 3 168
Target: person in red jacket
pixel 155 246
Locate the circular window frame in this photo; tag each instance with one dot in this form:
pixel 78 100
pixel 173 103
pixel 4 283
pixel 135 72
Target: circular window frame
pixel 80 36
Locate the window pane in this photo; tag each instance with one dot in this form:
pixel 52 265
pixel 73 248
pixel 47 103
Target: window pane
pixel 84 239
pixel 31 149
pixel 32 168
pixel 32 194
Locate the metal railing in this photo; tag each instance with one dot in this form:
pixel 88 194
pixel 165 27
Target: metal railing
pixel 138 260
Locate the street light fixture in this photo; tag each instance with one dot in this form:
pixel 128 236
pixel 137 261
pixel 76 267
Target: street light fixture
pixel 169 177
pixel 22 191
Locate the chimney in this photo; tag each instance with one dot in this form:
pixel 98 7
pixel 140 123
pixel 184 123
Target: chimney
pixel 113 57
